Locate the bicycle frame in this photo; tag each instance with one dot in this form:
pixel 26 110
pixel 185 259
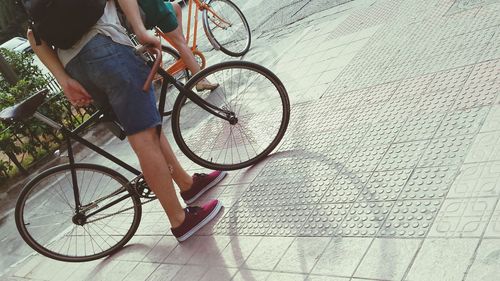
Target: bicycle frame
pixel 72 135
pixel 212 109
pixel 200 6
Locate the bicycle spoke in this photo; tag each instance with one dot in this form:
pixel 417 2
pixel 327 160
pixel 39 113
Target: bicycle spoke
pixel 227 25
pixel 65 233
pixel 261 109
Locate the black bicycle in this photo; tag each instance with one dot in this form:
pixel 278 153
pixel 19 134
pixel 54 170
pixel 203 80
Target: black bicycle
pixel 80 212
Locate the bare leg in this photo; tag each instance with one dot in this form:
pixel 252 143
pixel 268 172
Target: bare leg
pixel 179 175
pixel 179 43
pixel 146 145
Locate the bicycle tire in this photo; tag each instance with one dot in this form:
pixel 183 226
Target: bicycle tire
pixel 223 35
pixel 255 102
pixel 37 208
pixel 169 57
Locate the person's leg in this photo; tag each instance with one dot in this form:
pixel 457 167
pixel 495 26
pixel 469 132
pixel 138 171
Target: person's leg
pixel 179 42
pixel 191 187
pixel 115 72
pixel 146 145
pixel 183 180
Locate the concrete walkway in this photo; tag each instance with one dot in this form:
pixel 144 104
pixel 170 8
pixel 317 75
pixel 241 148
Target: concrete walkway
pixel 390 169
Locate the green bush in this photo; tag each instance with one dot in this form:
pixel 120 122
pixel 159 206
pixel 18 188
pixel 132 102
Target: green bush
pixel 29 141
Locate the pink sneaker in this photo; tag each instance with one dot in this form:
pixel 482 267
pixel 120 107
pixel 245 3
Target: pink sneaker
pixel 196 218
pixel 201 184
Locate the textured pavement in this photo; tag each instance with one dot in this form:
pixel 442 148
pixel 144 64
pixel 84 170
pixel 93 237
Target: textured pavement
pixel 390 169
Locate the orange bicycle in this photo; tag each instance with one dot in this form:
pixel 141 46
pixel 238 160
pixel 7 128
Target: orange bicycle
pixel 226 29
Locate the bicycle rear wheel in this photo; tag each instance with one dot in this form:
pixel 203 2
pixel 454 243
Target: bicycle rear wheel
pixel 47 219
pixel 169 57
pixel 260 103
pixel 226 27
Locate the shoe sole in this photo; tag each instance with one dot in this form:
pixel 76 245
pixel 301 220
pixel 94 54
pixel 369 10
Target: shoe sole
pixel 213 183
pixel 202 223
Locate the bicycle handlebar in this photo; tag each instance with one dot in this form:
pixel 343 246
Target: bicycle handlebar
pixel 141 50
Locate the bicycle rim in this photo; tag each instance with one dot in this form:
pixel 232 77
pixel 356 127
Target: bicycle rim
pixel 260 103
pixel 227 26
pixel 169 57
pixel 45 213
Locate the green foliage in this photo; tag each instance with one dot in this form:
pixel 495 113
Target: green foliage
pixel 30 78
pixel 29 141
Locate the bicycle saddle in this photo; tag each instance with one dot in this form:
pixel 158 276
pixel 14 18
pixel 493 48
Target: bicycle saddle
pixel 24 109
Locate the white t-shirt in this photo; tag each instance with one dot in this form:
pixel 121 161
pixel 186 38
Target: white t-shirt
pixel 108 24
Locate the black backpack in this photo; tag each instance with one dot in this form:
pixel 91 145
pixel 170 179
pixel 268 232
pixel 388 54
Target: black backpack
pixel 62 23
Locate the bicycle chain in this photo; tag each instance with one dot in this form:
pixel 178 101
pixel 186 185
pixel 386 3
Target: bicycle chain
pixel 121 211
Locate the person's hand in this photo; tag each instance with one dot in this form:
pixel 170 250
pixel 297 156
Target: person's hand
pixel 147 39
pixel 76 94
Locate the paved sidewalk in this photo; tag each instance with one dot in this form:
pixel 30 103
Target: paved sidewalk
pixel 390 169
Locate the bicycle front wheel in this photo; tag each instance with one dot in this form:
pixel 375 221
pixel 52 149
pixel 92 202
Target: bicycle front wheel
pixel 49 221
pixel 169 57
pixel 226 27
pixel 254 96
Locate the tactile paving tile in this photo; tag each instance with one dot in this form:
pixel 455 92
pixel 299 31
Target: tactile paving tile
pixel 311 191
pixel 398 109
pixel 339 156
pixel 322 119
pixel 411 218
pixel 429 183
pixel 382 133
pixel 324 220
pixel 384 186
pixel 414 86
pixel 272 193
pixel 297 142
pixel 297 168
pixel 450 79
pixel 446 151
pixel 461 5
pixel 241 220
pixel 492 50
pixel 365 219
pixel 348 136
pixel 465 217
pixel 289 220
pixel 365 159
pixel 440 101
pixel 463 57
pixel 345 188
pixel 244 133
pixel 477 179
pixel 380 93
pixel 420 127
pixel 403 155
pixel 366 114
pixel 485 71
pixel 376 14
pixel 349 99
pixel 486 17
pixel 474 95
pixel 322 142
pixel 311 117
pixel 462 122
pixel 394 73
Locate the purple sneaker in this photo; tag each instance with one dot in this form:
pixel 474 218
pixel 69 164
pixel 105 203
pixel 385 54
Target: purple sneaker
pixel 201 184
pixel 196 218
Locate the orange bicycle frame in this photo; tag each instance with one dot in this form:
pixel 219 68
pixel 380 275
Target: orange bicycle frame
pixel 179 65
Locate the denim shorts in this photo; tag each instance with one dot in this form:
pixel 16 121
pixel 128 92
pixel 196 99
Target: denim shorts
pixel 113 75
